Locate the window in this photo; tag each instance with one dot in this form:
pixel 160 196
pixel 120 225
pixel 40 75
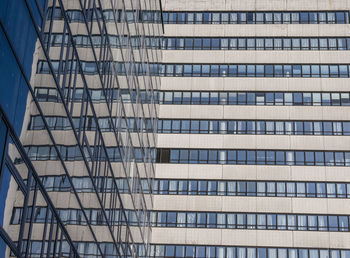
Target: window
pixel 304 17
pixel 268 18
pixel 295 17
pixel 268 43
pixel 277 18
pixel 286 18
pixel 233 18
pixel 206 18
pixel 199 18
pixel 190 18
pixel 216 18
pixel 331 17
pixel 259 18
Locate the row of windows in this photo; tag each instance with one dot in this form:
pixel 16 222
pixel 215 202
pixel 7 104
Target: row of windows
pixel 243 252
pixel 98 95
pixel 205 97
pixel 114 41
pixel 195 126
pixel 197 43
pixel 253 127
pixel 205 70
pixel 255 98
pixel 250 221
pixel 60 183
pixel 254 157
pixel 303 17
pixel 89 249
pixel 73 153
pixel 105 124
pixel 109 15
pixel 260 221
pixel 91 68
pixel 254 70
pixel 206 187
pixel 254 43
pixel 251 188
pixel 76 217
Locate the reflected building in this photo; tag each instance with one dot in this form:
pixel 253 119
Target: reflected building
pixel 62 171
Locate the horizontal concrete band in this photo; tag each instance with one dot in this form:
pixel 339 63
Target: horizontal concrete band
pixel 254 112
pixel 254 57
pixel 252 172
pixel 283 142
pixel 250 204
pixel 250 238
pixel 256 30
pixel 253 84
pixel 184 5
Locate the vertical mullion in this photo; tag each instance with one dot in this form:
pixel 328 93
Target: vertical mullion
pixel 24 213
pixel 31 218
pixel 60 245
pixel 52 223
pixel 45 14
pixel 44 233
pixel 55 241
pixel 60 63
pixel 63 86
pixel 51 25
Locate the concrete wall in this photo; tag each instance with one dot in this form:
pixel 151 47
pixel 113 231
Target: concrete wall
pixel 285 142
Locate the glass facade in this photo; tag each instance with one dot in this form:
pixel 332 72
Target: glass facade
pixel 27 31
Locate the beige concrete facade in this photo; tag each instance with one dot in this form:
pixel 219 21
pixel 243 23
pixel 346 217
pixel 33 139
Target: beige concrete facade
pixel 253 238
pixel 244 204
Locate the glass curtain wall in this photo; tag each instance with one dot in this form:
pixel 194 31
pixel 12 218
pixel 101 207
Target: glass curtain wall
pixel 68 77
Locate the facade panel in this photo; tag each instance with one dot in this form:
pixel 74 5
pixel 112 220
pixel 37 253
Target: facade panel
pixel 236 136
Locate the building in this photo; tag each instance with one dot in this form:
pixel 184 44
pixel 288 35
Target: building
pixel 190 128
pixel 253 152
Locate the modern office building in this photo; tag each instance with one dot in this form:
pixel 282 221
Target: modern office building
pixel 253 146
pixel 190 128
